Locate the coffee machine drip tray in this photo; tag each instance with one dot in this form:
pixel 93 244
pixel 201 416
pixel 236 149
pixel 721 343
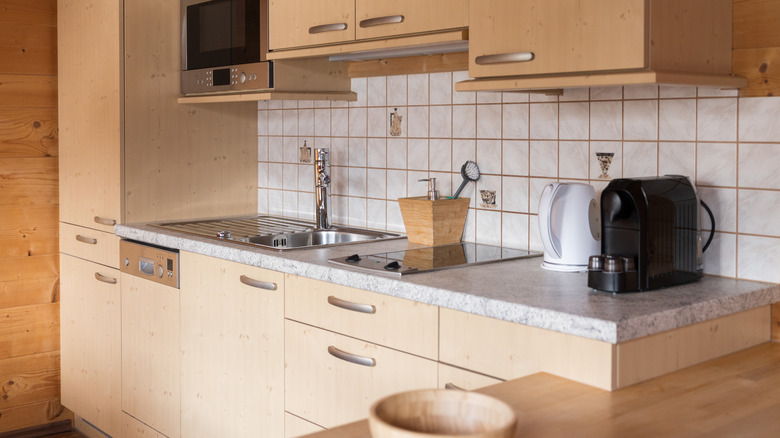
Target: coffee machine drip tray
pixel 433 258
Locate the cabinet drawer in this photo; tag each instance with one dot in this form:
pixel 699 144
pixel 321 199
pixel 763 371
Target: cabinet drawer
pixel 86 243
pixel 400 17
pixel 301 23
pixel 381 319
pixel 457 378
pixel 328 390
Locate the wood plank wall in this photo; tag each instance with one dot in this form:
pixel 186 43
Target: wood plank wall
pixel 29 271
pixel 756 43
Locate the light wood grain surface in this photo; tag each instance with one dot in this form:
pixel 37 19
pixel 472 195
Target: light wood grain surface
pixel 736 395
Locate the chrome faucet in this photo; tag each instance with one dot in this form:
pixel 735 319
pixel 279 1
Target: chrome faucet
pixel 322 189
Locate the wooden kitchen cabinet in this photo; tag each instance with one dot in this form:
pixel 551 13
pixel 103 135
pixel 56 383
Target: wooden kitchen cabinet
pixel 402 17
pixel 360 25
pixel 510 38
pixel 232 349
pixel 90 341
pixel 296 426
pixel 328 390
pixel 457 378
pixel 385 320
pixel 301 23
pixel 151 357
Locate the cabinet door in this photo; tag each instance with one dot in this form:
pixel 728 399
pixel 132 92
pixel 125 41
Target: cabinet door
pixel 300 23
pixel 89 76
pixel 89 244
pixel 151 358
pixel 132 428
pixel 325 385
pixel 232 325
pixel 457 378
pixel 392 322
pixel 510 37
pixel 382 18
pixel 90 339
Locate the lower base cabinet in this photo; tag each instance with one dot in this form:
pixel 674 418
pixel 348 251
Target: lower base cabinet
pixel 132 428
pixel 457 378
pixel 332 379
pixel 232 349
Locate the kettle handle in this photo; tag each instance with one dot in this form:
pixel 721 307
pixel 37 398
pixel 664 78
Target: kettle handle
pixel 549 240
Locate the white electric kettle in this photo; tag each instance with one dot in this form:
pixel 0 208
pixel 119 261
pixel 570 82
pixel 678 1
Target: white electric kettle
pixel 570 224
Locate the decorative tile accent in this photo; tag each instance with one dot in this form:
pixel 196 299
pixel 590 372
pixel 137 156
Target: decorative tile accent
pixel 304 153
pixel 487 199
pixel 396 119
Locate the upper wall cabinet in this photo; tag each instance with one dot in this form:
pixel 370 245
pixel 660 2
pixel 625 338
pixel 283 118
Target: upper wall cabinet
pixel 316 27
pixel 639 40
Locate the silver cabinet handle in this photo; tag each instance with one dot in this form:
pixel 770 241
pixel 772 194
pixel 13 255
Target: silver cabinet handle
pixel 349 357
pixel 104 279
pixel 379 21
pixel 103 221
pixel 453 386
pixel 349 305
pixel 257 283
pixel 505 58
pixel 333 27
pixel 88 240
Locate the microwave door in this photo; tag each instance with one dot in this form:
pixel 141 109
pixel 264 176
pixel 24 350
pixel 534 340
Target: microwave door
pixel 221 33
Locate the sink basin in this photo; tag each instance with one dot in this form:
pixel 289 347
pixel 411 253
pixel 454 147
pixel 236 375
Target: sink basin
pixel 317 238
pixel 275 233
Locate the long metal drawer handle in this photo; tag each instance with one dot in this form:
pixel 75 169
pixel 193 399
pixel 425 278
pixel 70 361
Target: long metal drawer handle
pixel 104 279
pixel 257 283
pixel 505 58
pixel 379 21
pixel 453 386
pixel 349 305
pixel 88 240
pixel 349 357
pixel 333 27
pixel 103 221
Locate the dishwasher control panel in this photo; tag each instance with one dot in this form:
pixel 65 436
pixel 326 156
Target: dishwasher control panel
pixel 151 262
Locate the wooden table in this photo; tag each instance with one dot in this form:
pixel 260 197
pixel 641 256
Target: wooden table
pixel 735 395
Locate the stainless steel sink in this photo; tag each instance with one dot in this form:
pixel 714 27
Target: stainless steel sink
pixel 276 233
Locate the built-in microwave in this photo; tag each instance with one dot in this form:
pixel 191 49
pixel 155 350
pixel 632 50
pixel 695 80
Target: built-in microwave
pixel 223 46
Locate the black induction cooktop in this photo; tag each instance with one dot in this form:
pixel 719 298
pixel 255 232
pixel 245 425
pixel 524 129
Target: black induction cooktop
pixel 433 258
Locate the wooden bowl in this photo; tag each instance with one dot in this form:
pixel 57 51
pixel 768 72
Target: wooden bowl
pixel 441 413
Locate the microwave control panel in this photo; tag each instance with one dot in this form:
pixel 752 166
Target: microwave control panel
pixel 243 77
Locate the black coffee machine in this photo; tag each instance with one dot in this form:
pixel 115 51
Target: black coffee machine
pixel 650 235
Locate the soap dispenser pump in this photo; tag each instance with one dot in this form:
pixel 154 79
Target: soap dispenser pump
pixel 433 194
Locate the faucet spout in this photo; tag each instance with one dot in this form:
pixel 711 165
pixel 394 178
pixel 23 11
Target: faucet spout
pixel 322 216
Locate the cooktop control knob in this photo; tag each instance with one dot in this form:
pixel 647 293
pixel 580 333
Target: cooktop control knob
pixel 354 258
pixel 159 271
pixel 393 266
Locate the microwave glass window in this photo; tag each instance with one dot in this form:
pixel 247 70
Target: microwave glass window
pixel 222 32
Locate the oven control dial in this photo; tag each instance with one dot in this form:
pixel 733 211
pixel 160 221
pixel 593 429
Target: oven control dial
pixel 159 271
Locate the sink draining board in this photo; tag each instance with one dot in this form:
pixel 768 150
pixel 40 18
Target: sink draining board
pixel 239 228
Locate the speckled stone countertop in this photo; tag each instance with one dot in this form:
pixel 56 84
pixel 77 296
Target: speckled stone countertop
pixel 517 291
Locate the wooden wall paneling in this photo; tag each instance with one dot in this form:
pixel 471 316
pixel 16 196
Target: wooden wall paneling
pixel 28 231
pixel 761 67
pixel 776 322
pixel 28 182
pixel 30 330
pixel 33 414
pixel 39 12
pixel 755 24
pixel 28 91
pixel 41 290
pixel 28 132
pixel 28 49
pixel 28 379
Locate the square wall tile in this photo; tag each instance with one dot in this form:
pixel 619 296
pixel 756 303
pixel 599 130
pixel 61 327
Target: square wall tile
pixel 640 159
pixel 440 121
pixel 674 91
pixel 461 97
pixel 262 201
pixel 758 165
pixel 290 122
pixel 396 184
pixel 417 150
pixel 357 122
pixel 758 258
pixel 489 156
pixel 322 122
pixel 677 159
pixel 716 164
pixel 440 88
pixel 396 90
pixel 376 216
pixel 377 122
pixel 606 120
pixel 717 120
pixel 488 121
pixel 376 183
pixel 440 151
pixel 462 151
pixel 677 120
pixel 357 212
pixel 464 121
pixel 640 120
pixel 418 121
pixel 574 121
pixel 515 157
pixel 515 119
pixel 306 178
pixel 377 91
pixel 359 87
pixel 488 227
pixel 357 151
pixel 544 121
pixel 615 169
pixel 515 193
pixel 275 203
pixel 339 122
pixel 758 212
pixel 575 94
pixel 723 203
pixel 376 152
pixel 544 158
pixel 573 161
pixel 640 92
pixel 396 153
pixel 395 221
pixel 758 119
pixel 514 230
pixel 721 256
pixel 418 89
pixel 606 93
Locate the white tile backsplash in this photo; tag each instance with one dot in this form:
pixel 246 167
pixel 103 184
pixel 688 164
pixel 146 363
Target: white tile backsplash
pixel 521 142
